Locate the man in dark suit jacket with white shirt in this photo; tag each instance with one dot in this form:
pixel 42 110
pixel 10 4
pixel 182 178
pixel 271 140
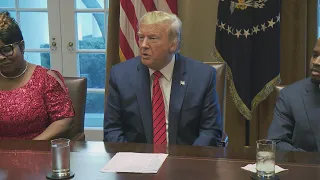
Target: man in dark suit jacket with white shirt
pixel 162 97
pixel 296 122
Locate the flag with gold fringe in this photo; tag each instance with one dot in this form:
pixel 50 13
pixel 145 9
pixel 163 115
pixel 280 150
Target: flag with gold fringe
pixel 248 40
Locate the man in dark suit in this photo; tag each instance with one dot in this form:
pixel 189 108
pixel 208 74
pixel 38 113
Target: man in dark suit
pixel 162 97
pixel 296 122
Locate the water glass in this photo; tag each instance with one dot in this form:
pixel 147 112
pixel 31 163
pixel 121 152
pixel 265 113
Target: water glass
pixel 60 150
pixel 265 157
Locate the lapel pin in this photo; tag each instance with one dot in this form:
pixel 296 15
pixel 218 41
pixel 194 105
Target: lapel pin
pixel 182 83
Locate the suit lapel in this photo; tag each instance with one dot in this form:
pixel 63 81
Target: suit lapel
pixel 144 100
pixel 311 99
pixel 178 89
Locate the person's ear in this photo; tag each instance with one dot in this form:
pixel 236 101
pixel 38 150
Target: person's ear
pixel 173 46
pixel 22 46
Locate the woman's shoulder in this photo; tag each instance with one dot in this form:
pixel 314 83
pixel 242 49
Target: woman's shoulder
pixel 48 73
pixel 51 77
pixel 48 76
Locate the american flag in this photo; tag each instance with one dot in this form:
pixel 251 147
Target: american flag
pixel 130 13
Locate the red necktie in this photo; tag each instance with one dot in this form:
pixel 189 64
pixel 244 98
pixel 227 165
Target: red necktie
pixel 158 112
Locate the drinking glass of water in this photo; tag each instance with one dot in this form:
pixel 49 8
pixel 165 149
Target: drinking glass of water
pixel 60 152
pixel 265 165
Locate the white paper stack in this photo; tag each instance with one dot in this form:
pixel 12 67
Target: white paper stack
pixel 135 162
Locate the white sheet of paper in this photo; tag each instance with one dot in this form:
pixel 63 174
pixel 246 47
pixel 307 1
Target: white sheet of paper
pixel 135 162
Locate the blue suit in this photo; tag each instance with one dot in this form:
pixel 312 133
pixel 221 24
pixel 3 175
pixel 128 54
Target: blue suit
pixel 194 112
pixel 296 121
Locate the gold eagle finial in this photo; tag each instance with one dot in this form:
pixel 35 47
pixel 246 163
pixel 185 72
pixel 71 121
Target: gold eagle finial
pixel 244 4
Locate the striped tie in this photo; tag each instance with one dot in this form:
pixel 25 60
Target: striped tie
pixel 158 112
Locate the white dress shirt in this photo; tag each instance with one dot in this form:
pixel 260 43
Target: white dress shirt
pixel 165 84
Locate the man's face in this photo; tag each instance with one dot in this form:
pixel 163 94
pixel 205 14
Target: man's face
pixel 315 63
pixel 156 49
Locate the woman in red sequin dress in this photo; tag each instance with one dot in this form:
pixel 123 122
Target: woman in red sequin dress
pixel 34 101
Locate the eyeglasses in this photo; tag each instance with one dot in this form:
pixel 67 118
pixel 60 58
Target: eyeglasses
pixel 8 50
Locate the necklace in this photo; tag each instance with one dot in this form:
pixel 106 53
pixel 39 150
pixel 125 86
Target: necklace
pixel 25 69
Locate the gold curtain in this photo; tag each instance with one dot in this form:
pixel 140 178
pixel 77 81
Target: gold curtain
pixel 113 39
pixel 198 42
pixel 298 35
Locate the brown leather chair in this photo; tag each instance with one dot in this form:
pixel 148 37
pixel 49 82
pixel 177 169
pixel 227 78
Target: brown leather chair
pixel 220 82
pixel 220 87
pixel 77 87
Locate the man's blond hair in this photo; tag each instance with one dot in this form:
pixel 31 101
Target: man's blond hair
pixel 161 17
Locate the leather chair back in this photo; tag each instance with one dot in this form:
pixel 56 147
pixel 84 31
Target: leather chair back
pixel 220 82
pixel 77 88
pixel 221 87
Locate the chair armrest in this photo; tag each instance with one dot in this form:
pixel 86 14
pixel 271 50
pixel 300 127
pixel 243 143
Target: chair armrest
pixel 224 140
pixel 79 137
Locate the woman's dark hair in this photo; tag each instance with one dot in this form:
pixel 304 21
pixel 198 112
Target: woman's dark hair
pixel 9 29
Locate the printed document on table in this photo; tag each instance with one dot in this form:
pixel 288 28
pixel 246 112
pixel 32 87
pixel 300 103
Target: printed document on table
pixel 135 162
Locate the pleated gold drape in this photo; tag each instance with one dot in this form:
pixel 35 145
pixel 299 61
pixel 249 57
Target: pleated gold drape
pixel 298 35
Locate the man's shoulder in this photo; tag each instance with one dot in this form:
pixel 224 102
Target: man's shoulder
pixel 297 87
pixel 127 65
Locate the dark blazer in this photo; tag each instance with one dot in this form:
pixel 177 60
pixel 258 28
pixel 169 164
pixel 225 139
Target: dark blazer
pixel 296 121
pixel 194 112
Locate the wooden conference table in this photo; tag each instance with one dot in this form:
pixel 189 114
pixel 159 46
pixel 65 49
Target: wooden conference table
pixel 31 160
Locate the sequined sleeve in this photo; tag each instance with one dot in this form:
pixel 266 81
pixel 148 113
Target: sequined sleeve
pixel 57 100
